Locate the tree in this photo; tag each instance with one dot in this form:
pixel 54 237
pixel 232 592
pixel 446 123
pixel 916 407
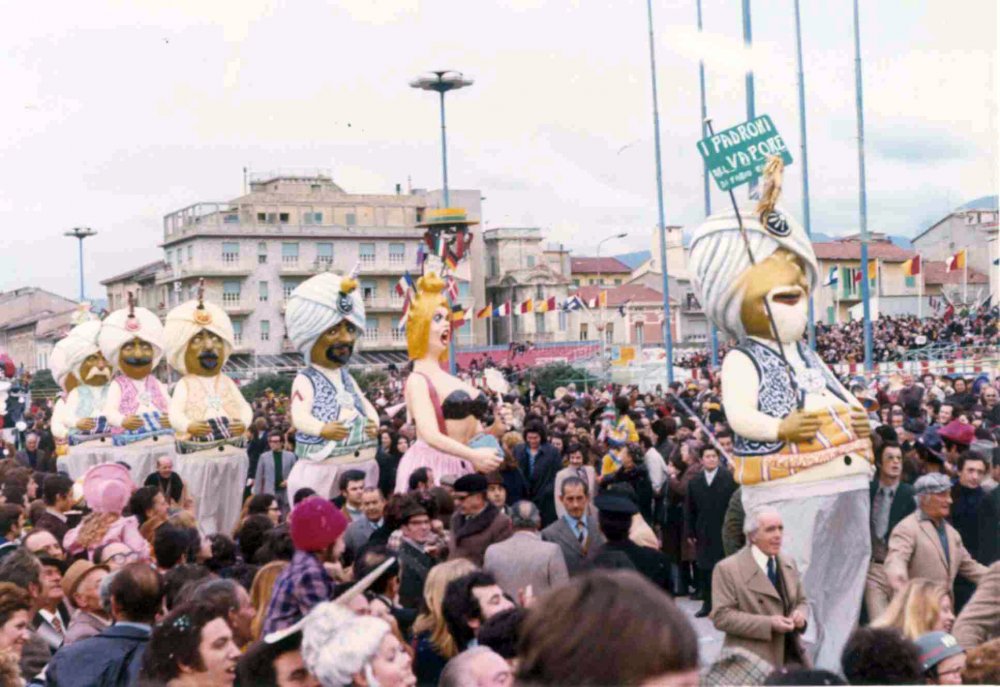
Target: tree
pixel 550 377
pixel 277 383
pixel 43 385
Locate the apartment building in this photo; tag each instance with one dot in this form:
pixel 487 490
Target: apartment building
pixel 254 250
pixel 31 321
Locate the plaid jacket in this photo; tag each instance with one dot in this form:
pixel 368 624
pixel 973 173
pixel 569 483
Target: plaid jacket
pixel 299 588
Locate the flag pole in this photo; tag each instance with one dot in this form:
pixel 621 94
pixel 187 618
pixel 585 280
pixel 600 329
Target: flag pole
pixel 965 277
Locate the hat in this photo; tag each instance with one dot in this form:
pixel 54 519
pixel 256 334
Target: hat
pixel 934 647
pixel 932 483
pixel 931 445
pixel 120 327
pixel 411 509
pixel 319 303
pixel 316 524
pixel 914 425
pixel 74 576
pixel 107 488
pixel 617 504
pixel 445 217
pixel 80 344
pixel 471 484
pixel 494 478
pixel 958 433
pixel 189 318
pixel 59 363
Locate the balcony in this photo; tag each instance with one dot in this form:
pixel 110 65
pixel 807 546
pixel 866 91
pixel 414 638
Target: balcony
pixel 233 304
pixel 383 303
pixel 383 267
pixel 223 268
pixel 297 267
pixel 376 338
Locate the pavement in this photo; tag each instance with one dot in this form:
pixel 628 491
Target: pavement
pixel 709 639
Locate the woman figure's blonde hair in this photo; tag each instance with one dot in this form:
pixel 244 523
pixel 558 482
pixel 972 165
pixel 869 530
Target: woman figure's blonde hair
pixel 432 619
pixel 915 609
pixel 261 592
pixel 430 297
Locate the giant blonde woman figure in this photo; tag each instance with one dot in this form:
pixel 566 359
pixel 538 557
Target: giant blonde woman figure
pixel 447 412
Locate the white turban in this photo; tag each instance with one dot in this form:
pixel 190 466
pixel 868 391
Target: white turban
pixel 117 329
pixel 337 644
pixel 719 259
pixel 316 305
pixel 58 365
pixel 186 320
pixel 81 343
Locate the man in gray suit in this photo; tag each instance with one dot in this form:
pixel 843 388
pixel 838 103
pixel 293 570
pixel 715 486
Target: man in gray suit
pixel 576 532
pixel 274 462
pixel 361 529
pixel 523 560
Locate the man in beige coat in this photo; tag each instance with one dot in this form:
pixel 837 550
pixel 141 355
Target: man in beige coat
pixel 979 621
pixel 525 560
pixel 757 595
pixel 923 544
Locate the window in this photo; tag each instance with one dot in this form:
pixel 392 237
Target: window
pixel 366 253
pixel 420 214
pixel 583 331
pixel 238 332
pixel 539 323
pixel 618 282
pixel 494 266
pixel 262 253
pixel 230 252
pixel 231 292
pixel 312 217
pixel 289 253
pixel 352 219
pixel 287 286
pixel 397 253
pixel 283 217
pixel 190 253
pixel 269 217
pixel 609 332
pixel 397 333
pixel 539 293
pixel 640 333
pixel 531 260
pixel 368 289
pixel 324 253
pixel 261 217
pixel 576 283
pixel 230 218
pixel 262 291
pixel 170 257
pixel 371 328
pixel 265 330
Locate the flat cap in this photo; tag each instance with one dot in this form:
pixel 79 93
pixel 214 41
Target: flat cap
pixel 471 484
pixel 933 483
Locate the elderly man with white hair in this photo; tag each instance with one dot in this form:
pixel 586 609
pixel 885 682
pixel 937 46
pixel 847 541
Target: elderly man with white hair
pixel 336 425
pixel 801 443
pixel 479 666
pixel 757 594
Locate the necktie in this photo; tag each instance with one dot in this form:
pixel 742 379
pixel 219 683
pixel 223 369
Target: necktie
pixel 57 623
pixel 581 533
pixel 772 573
pixel 582 474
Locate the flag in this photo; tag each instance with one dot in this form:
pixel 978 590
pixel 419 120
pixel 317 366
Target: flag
pixel 421 254
pixel 621 310
pixel 873 270
pixel 459 315
pixel 404 284
pixel 451 286
pixel 911 267
pixel 573 303
pixel 526 307
pixel 831 278
pixel 502 310
pixel 857 276
pixel 406 312
pixel 956 261
pixel 485 312
pixel 602 299
pixel 548 305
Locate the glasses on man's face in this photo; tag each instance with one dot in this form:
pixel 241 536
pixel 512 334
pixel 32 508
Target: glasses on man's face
pixel 123 557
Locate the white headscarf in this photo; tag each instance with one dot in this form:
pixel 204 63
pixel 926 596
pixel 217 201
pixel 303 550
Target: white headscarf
pixel 117 329
pixel 719 259
pixel 337 644
pixel 186 320
pixel 81 343
pixel 316 305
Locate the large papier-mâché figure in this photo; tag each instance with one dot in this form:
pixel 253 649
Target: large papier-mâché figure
pixel 447 412
pixel 801 442
pixel 79 367
pixel 334 422
pixel 131 339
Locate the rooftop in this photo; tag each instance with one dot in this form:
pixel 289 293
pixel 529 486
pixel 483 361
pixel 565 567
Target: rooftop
pixel 851 250
pixel 147 271
pixel 627 293
pixel 588 265
pixel 935 272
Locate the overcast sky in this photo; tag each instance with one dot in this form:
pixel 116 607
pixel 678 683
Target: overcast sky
pixel 116 112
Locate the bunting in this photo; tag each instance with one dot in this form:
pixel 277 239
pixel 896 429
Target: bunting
pixel 547 305
pixel 502 310
pixel 451 286
pixel 832 278
pixel 573 303
pixel 405 284
pixel 406 311
pixel 526 307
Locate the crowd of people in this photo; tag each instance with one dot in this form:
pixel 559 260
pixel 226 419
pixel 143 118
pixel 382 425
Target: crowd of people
pixel 559 568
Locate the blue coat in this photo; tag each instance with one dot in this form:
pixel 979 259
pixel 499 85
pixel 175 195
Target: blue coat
pixel 111 659
pixel 541 481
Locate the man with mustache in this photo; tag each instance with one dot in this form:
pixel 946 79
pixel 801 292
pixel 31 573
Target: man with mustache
pixel 131 339
pixel 335 424
pixel 86 376
pixel 207 410
pixel 801 441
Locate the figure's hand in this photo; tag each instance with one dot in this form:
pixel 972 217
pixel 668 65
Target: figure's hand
pixel 799 426
pixel 780 624
pixel 859 423
pixel 371 429
pixel 485 459
pixel 132 423
pixel 85 424
pixel 334 431
pixel 799 619
pixel 165 421
pixel 199 429
pixel 237 428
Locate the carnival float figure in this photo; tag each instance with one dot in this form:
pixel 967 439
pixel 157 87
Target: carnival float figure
pixel 131 339
pixel 207 411
pixel 447 412
pixel 801 442
pixel 80 369
pixel 335 424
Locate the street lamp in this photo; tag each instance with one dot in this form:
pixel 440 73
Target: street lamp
pixel 441 82
pixel 600 283
pixel 80 233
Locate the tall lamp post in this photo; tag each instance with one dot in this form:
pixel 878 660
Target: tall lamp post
pixel 80 233
pixel 862 192
pixel 441 82
pixel 600 305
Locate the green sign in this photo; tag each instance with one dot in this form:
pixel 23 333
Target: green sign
pixel 737 155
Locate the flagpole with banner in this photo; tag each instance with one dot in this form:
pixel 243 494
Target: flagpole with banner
pixel 965 278
pixel 920 294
